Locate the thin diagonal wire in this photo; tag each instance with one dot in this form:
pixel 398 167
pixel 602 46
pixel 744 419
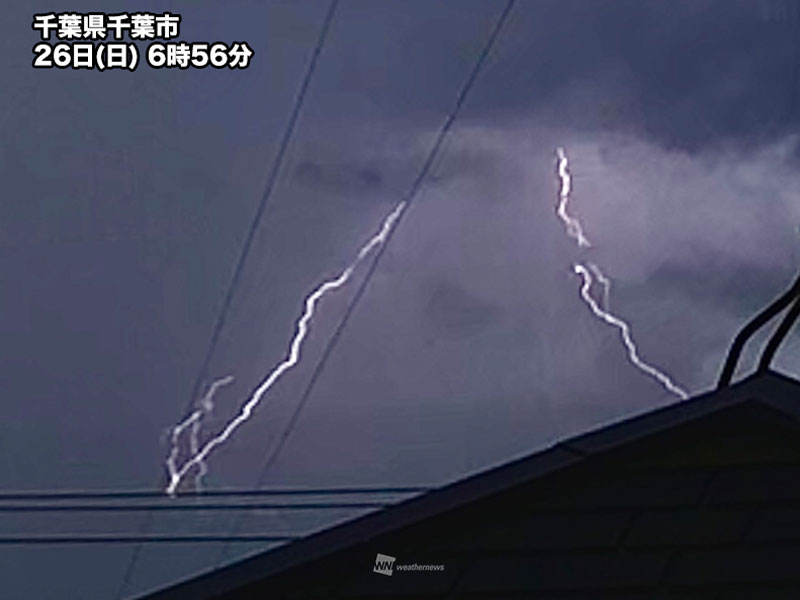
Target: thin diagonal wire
pixel 256 221
pixel 410 196
pixel 332 342
pixel 238 269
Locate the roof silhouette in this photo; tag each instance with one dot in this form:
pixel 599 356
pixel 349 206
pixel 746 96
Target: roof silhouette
pixel 755 421
pixel 654 481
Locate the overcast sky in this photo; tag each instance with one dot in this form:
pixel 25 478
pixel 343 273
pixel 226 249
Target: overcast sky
pixel 127 197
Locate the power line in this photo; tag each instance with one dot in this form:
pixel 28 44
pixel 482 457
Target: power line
pixel 140 539
pixel 254 224
pixel 410 196
pixel 379 253
pixel 232 493
pixel 187 507
pixel 239 268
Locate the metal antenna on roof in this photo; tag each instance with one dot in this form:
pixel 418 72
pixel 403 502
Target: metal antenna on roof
pixel 780 334
pixel 761 319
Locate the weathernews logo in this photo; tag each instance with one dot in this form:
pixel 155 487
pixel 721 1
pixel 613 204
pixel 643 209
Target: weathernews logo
pixel 384 565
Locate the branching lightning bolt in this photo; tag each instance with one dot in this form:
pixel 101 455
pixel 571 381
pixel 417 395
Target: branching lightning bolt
pixel 197 459
pixel 207 406
pixel 575 230
pixel 194 423
pixel 625 332
pixel 604 281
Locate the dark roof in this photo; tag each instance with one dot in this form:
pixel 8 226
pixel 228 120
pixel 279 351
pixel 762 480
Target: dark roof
pixel 768 396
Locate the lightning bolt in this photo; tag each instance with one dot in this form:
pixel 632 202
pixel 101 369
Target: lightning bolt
pixel 604 281
pixel 575 230
pixel 207 406
pixel 176 474
pixel 625 332
pixel 194 424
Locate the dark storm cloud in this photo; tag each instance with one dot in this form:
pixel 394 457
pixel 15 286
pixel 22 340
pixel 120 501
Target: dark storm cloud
pixel 686 73
pixel 345 172
pixel 481 166
pixel 339 178
pixel 471 343
pixel 452 312
pixel 743 287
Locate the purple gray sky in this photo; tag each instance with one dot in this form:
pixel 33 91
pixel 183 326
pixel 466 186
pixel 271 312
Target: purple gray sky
pixel 127 196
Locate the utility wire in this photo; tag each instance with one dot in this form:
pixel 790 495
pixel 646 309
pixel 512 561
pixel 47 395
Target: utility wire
pixel 409 197
pixel 233 493
pixel 184 507
pixel 239 268
pixel 139 539
pixel 256 221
